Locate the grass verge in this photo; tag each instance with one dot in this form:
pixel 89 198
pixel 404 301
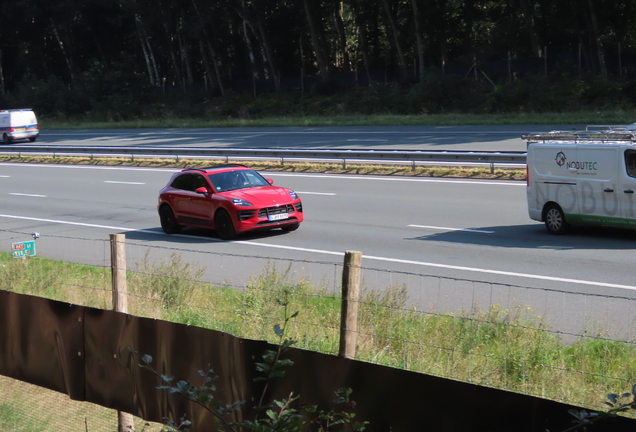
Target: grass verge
pixel 506 349
pixel 260 165
pixel 451 119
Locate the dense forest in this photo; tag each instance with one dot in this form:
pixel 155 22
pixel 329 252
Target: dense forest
pixel 71 57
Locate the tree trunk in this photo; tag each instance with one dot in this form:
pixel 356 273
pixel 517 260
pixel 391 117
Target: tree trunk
pixel 266 46
pixel 396 40
pixel 597 40
pixel 185 59
pixel 250 51
pixel 315 41
pixel 214 59
pixel 419 39
pixel 363 39
pixel 2 86
pixel 209 70
pixel 528 16
pixel 469 19
pixel 65 55
pixel 153 73
pixel 342 36
pixel 215 63
pixel 173 55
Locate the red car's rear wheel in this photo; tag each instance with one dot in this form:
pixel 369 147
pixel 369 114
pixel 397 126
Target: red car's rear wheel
pixel 168 220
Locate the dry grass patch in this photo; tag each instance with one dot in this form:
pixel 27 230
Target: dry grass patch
pixel 303 167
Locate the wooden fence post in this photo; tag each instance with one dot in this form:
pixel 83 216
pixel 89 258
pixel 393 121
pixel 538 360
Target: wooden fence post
pixel 350 298
pixel 125 421
pixel 118 267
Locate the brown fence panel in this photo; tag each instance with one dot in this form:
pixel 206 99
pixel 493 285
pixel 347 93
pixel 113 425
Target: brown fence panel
pixel 42 343
pixel 70 348
pixel 115 380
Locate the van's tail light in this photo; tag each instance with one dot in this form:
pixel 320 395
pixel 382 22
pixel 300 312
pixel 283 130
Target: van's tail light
pixel 11 129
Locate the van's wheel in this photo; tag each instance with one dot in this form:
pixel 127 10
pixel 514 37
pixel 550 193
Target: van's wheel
pixel 32 139
pixel 224 225
pixel 7 139
pixel 168 220
pixel 555 220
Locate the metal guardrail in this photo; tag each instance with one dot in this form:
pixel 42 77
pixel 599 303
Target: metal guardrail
pixel 372 156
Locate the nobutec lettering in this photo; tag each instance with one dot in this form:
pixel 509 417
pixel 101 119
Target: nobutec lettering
pixel 590 166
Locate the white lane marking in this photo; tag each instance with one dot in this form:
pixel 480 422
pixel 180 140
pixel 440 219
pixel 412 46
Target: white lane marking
pixel 27 195
pixel 77 224
pixel 450 267
pixel 123 182
pixel 366 257
pixel 316 193
pixel 4 176
pixel 451 229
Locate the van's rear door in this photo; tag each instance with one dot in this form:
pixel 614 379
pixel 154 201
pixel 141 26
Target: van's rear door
pixel 550 178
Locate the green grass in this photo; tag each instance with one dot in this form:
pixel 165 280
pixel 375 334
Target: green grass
pixel 28 408
pixel 580 117
pixel 301 167
pixel 507 349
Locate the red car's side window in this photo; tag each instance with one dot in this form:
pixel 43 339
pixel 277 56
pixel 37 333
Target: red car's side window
pixel 190 182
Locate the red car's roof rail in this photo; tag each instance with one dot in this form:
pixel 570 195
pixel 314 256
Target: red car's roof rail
pixel 216 167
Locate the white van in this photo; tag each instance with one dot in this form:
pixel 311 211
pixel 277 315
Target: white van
pixel 18 124
pixel 582 178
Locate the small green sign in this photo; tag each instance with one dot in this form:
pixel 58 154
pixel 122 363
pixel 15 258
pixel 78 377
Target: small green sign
pixel 23 249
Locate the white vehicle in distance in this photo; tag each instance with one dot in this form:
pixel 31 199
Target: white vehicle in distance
pixel 17 124
pixel 582 178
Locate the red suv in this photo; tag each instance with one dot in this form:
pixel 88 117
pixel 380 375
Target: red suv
pixel 230 199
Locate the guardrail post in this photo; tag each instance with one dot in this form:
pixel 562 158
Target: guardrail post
pixel 125 421
pixel 492 168
pixel 350 300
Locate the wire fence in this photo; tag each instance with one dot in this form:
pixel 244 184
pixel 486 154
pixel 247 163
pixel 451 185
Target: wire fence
pixel 570 347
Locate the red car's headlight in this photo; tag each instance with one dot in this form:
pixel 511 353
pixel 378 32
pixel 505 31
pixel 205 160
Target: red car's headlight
pixel 240 202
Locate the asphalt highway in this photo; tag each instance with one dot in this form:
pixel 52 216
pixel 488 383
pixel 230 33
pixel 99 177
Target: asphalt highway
pixel 487 138
pixel 455 244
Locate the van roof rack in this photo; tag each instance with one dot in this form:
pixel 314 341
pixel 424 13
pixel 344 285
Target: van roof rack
pixel 592 133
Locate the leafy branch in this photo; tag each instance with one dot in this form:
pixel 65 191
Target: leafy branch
pixel 278 415
pixel 617 404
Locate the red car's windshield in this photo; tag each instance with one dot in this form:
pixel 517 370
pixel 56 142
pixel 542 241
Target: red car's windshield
pixel 240 179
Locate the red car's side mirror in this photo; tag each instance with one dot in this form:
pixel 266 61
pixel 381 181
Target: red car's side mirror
pixel 270 181
pixel 202 190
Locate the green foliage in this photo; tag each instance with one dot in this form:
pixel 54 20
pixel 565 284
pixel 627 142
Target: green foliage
pixel 617 404
pixel 276 415
pixel 116 95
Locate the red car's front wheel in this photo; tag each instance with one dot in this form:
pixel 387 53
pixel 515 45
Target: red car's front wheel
pixel 224 226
